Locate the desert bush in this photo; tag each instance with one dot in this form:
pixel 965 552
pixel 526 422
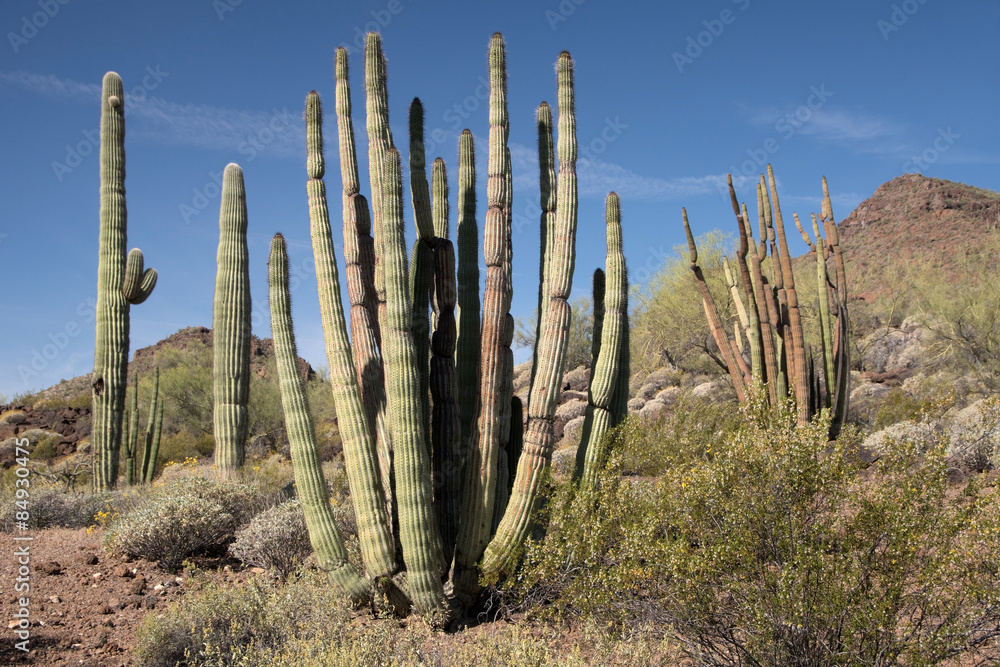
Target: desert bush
pixel 275 539
pixel 668 320
pixel 179 520
pixel 169 529
pixel 780 548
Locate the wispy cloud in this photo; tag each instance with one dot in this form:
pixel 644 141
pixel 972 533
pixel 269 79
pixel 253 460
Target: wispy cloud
pixel 824 123
pixel 597 178
pixel 275 132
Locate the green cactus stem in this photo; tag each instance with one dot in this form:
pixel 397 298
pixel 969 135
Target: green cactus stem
pixel 132 437
pixel 145 471
pixel 154 447
pixel 360 453
pixel 446 452
pixel 231 326
pixel 752 326
pixel 467 348
pixel 479 490
pixel 312 491
pixel 592 452
pixel 359 269
pixel 419 531
pixel 826 325
pixel 118 285
pixel 548 193
pixel 536 456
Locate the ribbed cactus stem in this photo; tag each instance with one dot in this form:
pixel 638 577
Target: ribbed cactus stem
pixel 715 324
pixel 309 483
pixel 112 332
pixel 592 453
pixel 419 531
pixel 599 283
pixel 798 372
pixel 138 283
pixel 154 448
pixel 132 437
pixel 146 474
pixel 538 437
pixel 479 490
pixel 231 326
pixel 752 326
pixel 825 319
pixel 360 454
pixel 441 211
pixel 379 142
pixel 359 268
pixel 467 348
pixel 548 192
pixel 767 312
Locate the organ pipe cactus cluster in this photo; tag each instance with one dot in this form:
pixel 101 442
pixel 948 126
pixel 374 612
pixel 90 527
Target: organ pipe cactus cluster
pixel 769 313
pixel 121 281
pixel 443 474
pixel 231 326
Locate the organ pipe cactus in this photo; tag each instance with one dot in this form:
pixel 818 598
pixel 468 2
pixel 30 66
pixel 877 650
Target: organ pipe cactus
pixel 120 282
pixel 132 437
pixel 151 443
pixel 231 325
pixel 310 486
pixel 770 314
pixel 414 533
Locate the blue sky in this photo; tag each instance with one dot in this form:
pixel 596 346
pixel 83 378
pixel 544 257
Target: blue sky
pixel 670 97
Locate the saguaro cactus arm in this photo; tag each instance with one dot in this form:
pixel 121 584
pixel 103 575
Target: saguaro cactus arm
pixel 138 283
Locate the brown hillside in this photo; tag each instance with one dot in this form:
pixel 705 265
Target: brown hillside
pixel 144 360
pixel 915 219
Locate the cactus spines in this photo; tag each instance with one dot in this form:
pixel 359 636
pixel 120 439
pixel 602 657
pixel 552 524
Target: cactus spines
pixel 419 531
pixel 604 377
pixel 231 325
pixel 312 491
pixel 360 454
pixel 110 375
pixel 379 142
pixel 538 437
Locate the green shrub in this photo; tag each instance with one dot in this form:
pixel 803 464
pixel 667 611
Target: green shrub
pixel 186 517
pixel 275 539
pixel 780 548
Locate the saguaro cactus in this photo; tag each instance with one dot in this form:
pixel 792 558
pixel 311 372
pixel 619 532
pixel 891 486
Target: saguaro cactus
pixel 120 282
pixel 231 325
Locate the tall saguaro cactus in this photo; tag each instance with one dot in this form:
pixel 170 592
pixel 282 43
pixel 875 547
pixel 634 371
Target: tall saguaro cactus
pixel 120 282
pixel 231 325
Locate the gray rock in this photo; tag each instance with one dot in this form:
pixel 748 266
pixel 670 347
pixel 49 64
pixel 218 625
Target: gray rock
pixel 923 435
pixel 571 431
pixel 571 409
pixel 974 435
